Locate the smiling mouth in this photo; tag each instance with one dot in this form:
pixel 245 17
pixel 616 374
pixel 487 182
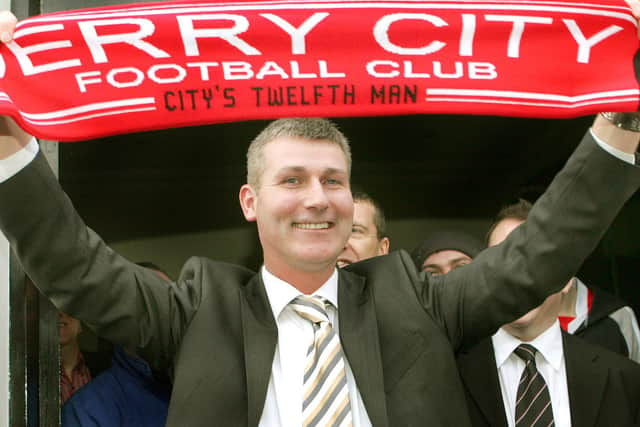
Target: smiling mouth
pixel 312 225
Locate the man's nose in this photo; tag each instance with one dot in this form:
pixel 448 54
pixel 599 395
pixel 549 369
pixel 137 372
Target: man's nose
pixel 316 196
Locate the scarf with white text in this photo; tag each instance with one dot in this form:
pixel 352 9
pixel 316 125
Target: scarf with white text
pixel 96 72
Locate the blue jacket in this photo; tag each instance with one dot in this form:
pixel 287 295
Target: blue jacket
pixel 126 394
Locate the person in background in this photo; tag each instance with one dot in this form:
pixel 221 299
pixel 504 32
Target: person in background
pixel 532 373
pixel 128 394
pixel 588 312
pixel 445 250
pixel 368 232
pixel 74 372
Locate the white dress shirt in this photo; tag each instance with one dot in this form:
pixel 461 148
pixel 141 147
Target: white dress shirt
pixel 283 406
pixel 550 364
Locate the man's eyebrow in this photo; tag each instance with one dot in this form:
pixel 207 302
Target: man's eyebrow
pixel 334 170
pixel 285 169
pixel 462 258
pixel 295 168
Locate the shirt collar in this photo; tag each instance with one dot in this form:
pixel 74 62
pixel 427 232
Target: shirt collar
pixel 548 344
pixel 281 293
pixel 80 363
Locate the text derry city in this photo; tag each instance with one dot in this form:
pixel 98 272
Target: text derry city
pixel 213 44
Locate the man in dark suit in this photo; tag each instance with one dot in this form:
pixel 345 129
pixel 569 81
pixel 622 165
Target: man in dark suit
pixel 586 385
pixel 235 342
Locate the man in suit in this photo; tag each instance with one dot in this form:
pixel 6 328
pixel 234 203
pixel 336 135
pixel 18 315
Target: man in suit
pixel 368 232
pixel 588 312
pixel 235 342
pixel 583 384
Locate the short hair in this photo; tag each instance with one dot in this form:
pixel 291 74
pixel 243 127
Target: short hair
pixel 518 211
pixel 312 129
pixel 378 214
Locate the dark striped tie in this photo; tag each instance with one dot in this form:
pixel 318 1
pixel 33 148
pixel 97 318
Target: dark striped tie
pixel 326 397
pixel 533 404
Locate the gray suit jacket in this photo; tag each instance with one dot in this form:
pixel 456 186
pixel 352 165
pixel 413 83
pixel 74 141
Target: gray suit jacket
pixel 213 330
pixel 604 387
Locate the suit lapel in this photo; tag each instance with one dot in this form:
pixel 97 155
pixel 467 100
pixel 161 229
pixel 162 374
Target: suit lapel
pixel 360 342
pixel 480 376
pixel 585 380
pixel 260 338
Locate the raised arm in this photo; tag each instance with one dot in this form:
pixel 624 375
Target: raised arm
pixel 72 265
pixel 539 257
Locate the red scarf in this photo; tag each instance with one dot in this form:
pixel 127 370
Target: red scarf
pixel 96 72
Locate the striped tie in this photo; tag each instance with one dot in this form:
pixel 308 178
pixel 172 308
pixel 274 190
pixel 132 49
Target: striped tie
pixel 326 397
pixel 533 404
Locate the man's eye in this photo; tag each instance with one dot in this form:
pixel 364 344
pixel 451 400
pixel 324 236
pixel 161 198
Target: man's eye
pixel 292 180
pixel 333 181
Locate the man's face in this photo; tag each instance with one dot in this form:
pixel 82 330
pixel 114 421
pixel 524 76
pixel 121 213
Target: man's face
pixel 541 316
pixel 442 262
pixel 68 328
pixel 303 207
pixel 363 242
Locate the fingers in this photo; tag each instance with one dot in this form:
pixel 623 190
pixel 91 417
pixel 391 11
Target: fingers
pixel 8 23
pixel 635 7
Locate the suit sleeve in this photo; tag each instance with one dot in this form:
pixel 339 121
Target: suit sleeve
pixel 81 275
pixel 540 256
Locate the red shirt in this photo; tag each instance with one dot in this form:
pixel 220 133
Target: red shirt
pixel 79 377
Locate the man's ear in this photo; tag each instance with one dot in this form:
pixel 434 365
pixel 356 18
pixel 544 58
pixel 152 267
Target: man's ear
pixel 383 246
pixel 248 199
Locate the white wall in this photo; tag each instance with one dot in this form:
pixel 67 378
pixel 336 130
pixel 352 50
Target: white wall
pixel 4 331
pixel 4 312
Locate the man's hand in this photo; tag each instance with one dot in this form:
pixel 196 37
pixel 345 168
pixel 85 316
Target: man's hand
pixel 8 23
pixel 12 137
pixel 635 7
pixel 605 130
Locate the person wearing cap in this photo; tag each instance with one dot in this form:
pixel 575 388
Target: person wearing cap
pixel 445 250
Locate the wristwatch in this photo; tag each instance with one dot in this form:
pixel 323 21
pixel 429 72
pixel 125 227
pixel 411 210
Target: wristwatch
pixel 626 121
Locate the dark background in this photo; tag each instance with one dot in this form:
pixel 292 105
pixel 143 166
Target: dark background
pixel 456 167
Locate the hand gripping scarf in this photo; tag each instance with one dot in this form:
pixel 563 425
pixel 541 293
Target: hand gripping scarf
pixel 96 72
